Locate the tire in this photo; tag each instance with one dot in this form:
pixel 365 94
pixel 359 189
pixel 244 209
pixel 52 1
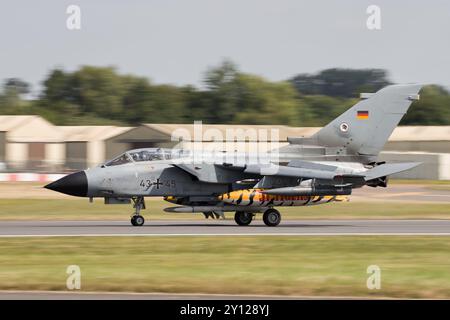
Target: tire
pixel 137 221
pixel 243 218
pixel 208 214
pixel 271 217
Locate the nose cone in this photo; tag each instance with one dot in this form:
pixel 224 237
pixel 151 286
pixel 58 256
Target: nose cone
pixel 74 184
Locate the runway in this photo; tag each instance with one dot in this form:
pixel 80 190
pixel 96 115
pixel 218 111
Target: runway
pixel 224 228
pixel 80 295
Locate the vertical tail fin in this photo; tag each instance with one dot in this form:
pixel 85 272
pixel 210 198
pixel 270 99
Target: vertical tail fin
pixel 364 128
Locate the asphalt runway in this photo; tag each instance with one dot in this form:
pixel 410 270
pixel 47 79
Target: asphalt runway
pixel 78 295
pixel 224 228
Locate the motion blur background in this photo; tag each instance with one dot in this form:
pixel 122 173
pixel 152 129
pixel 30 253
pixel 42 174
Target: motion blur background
pixel 135 71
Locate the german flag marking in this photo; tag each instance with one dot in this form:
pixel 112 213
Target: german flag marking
pixel 362 114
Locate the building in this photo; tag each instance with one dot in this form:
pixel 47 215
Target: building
pixel 435 139
pixel 87 146
pixel 30 142
pixel 235 137
pixel 427 144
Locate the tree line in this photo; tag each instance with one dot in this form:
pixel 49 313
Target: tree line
pixel 100 95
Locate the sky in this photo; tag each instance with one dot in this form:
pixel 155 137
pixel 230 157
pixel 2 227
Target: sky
pixel 176 41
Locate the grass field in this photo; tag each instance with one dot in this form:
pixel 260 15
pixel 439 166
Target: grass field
pixel 81 209
pixel 429 184
pixel 413 267
pixel 419 182
pixel 28 200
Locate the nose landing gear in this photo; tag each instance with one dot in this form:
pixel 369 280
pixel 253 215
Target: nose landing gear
pixel 136 219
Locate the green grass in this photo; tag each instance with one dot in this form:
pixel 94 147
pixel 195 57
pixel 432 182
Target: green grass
pixel 413 267
pixel 420 182
pixel 445 187
pixel 81 209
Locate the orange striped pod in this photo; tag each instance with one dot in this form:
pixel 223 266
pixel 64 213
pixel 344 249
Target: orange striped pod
pixel 254 197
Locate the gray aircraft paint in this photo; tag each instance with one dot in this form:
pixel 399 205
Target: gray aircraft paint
pixel 341 154
pixel 367 137
pixel 362 141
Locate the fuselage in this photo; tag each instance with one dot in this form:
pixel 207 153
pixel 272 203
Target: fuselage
pixel 152 173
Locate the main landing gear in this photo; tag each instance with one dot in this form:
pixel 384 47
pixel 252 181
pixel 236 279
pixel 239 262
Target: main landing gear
pixel 136 219
pixel 271 217
pixel 243 218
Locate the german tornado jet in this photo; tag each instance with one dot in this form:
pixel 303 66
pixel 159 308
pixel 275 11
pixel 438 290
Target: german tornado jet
pixel 323 168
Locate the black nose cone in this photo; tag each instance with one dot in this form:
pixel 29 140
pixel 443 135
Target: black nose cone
pixel 74 184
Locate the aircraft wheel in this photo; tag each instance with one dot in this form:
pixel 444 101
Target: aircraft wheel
pixel 137 221
pixel 243 218
pixel 208 214
pixel 271 217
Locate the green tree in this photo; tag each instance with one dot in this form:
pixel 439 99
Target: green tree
pixel 341 82
pixel 12 96
pixel 320 110
pixel 433 108
pixel 169 104
pixel 100 95
pixel 57 86
pixel 263 102
pixel 222 93
pixel 137 100
pixel 98 90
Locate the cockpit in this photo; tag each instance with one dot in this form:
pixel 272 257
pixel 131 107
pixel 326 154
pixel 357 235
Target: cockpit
pixel 149 154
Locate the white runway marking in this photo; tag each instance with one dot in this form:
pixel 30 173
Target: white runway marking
pixel 64 295
pixel 227 234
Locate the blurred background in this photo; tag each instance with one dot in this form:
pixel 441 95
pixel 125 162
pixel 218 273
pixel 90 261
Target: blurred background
pixel 130 74
pixel 81 81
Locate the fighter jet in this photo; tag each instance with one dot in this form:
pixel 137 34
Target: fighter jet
pixel 322 168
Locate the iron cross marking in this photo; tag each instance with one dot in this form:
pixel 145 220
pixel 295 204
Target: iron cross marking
pixel 157 183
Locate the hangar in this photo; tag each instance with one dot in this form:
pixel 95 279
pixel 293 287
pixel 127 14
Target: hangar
pixel 434 139
pixel 30 142
pixel 143 136
pixel 182 135
pixel 427 144
pixel 87 146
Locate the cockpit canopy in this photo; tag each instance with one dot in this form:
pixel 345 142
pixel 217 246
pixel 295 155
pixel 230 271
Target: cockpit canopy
pixel 148 154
